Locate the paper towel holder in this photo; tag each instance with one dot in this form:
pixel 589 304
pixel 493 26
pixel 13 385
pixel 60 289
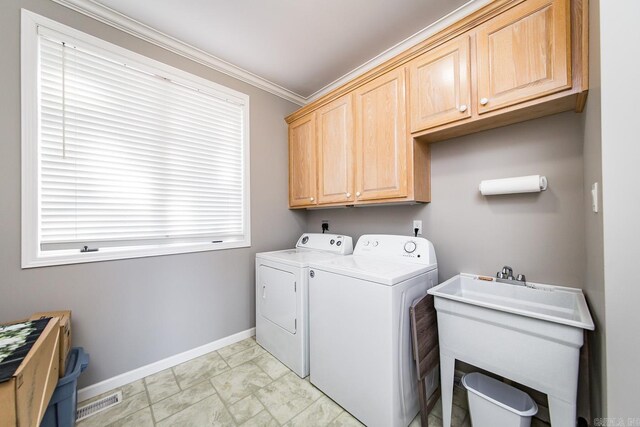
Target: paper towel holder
pixel 521 184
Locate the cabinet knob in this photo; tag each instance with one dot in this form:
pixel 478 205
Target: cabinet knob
pixel 348 194
pixel 311 198
pixel 462 108
pixel 484 101
pixel 357 194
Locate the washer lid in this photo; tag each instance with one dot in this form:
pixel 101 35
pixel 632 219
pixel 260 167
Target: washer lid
pixel 374 269
pixel 297 257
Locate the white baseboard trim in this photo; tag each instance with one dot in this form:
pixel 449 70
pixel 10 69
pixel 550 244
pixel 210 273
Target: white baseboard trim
pixel 144 371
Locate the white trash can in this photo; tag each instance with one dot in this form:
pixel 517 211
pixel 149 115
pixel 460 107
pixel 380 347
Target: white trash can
pixel 494 403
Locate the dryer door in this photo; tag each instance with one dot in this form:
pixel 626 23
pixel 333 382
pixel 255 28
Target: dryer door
pixel 277 296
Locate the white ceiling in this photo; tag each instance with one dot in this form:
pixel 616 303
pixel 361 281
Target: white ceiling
pixel 301 45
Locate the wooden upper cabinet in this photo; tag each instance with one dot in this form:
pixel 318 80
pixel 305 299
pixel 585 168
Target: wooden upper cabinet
pixel 334 126
pixel 523 53
pixel 381 137
pixel 440 85
pixel 302 162
pixel 366 141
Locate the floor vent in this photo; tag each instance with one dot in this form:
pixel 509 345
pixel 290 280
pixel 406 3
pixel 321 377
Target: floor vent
pixel 98 406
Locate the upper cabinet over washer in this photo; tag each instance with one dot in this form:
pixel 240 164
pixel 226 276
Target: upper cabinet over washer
pixel 335 140
pixel 364 153
pixel 381 138
pixel 367 141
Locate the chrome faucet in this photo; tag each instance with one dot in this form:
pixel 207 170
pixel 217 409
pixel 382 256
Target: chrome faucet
pixel 506 276
pixel 506 273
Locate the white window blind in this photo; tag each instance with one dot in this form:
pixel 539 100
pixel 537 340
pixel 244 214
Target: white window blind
pixel 128 157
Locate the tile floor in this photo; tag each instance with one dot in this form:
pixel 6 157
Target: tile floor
pixel 238 385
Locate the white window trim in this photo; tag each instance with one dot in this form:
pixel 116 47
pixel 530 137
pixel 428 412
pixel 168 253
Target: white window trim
pixel 32 256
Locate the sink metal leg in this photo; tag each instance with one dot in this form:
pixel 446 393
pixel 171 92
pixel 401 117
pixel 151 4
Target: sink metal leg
pixel 447 366
pixel 561 412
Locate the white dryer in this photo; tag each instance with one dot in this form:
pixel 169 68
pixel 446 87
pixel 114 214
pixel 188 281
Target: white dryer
pixel 282 289
pixel 360 351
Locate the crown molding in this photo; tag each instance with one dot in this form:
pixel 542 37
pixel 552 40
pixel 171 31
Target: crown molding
pixel 428 31
pixel 129 25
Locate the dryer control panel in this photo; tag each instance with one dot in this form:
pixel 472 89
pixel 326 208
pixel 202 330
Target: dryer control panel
pixel 417 249
pixel 336 243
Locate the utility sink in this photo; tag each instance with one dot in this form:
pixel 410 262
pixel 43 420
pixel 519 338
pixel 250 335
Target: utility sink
pixel 551 303
pixel 530 334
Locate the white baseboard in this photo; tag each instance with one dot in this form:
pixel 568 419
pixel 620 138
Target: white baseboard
pixel 144 371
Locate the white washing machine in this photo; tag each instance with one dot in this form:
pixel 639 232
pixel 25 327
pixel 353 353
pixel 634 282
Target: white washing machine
pixel 360 351
pixel 282 302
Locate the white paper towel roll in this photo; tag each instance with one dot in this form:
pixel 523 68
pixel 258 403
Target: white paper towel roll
pixel 521 184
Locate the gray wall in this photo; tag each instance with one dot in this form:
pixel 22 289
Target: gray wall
pixel 621 203
pixel 133 312
pixel 540 235
pixel 594 274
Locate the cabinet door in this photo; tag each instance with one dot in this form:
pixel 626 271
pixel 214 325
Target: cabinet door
pixel 334 124
pixel 524 53
pixel 381 138
pixel 302 162
pixel 440 90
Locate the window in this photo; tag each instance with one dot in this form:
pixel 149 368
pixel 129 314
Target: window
pixel 124 156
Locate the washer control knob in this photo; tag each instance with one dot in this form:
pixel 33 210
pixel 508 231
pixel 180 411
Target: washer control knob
pixel 331 242
pixel 375 243
pixel 339 242
pixel 312 273
pixel 410 247
pixel 305 239
pixel 366 243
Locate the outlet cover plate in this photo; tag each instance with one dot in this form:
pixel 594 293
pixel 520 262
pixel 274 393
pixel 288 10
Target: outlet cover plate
pixel 417 224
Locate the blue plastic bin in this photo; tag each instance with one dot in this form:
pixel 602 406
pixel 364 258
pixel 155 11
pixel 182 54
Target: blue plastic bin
pixel 61 411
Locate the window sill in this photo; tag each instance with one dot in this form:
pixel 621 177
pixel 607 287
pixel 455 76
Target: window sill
pixel 67 256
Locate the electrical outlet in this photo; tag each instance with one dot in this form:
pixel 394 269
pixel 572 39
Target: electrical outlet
pixel 325 225
pixel 417 224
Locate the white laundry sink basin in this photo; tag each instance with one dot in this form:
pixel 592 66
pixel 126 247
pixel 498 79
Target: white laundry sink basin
pixel 551 303
pixel 531 335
